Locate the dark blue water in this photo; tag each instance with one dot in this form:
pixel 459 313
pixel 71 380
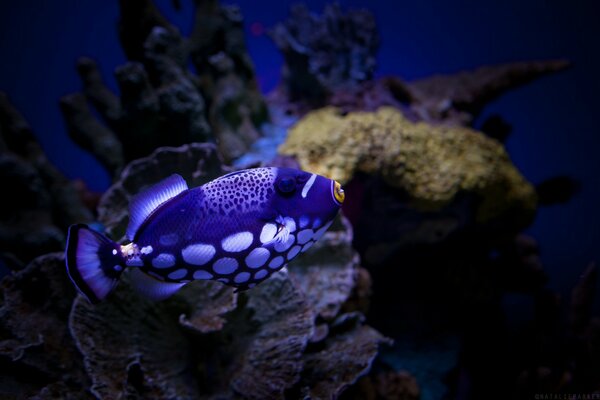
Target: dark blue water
pixel 555 120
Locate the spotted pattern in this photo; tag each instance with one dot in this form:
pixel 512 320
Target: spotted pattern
pixel 318 234
pixel 178 274
pixel 198 254
pixel 307 246
pixel 305 235
pixel 169 239
pixel 260 274
pixel 146 250
pixel 290 224
pixel 237 242
pixel 241 191
pixel 293 252
pixel 163 260
pixel 276 262
pixel 225 265
pixel 268 232
pixel 303 222
pixel 257 257
pixel 283 246
pixel 203 275
pixel 242 277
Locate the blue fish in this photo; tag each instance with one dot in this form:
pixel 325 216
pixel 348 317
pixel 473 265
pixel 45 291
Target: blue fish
pixel 237 229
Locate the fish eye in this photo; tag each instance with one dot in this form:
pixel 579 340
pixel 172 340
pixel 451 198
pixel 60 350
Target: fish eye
pixel 286 185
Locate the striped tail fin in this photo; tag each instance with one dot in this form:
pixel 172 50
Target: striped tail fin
pixel 94 262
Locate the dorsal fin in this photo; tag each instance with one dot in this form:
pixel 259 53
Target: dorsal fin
pixel 143 204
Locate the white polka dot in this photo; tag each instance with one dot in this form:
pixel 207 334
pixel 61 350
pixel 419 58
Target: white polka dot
pixel 321 232
pixel 225 265
pixel 223 280
pixel 305 235
pixel 307 246
pixel 198 254
pixel 114 252
pixel 316 223
pixel 293 252
pixel 283 246
pixel 276 262
pixel 260 274
pixel 257 257
pixel 134 262
pixel 202 275
pixel 178 274
pixel 163 260
pixel 146 250
pixel 241 277
pixel 290 224
pixel 118 268
pixel 268 233
pixel 237 242
pixel 303 222
pixel 169 239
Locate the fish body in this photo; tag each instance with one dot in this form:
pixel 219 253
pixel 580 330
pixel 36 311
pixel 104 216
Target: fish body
pixel 237 229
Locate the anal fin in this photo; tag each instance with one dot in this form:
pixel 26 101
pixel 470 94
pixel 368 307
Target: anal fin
pixel 152 288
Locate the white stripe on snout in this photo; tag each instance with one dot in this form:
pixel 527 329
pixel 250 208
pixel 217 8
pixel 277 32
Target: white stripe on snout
pixel 308 185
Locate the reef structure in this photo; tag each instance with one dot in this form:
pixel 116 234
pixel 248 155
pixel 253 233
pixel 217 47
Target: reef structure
pixel 432 164
pixel 161 101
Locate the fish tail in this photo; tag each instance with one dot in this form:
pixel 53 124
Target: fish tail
pixel 94 262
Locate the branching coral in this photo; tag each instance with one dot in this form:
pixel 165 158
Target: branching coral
pixel 163 103
pixel 432 164
pixel 42 201
pixel 323 53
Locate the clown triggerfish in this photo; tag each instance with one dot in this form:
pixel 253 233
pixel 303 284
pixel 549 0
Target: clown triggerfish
pixel 237 229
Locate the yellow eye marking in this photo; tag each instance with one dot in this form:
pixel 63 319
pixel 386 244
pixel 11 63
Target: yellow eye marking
pixel 338 192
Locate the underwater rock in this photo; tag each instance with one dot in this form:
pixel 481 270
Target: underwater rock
pixel 457 99
pixel 343 359
pixel 324 52
pixel 133 348
pixel 208 302
pixel 196 163
pixel 327 274
pixel 433 165
pixel 254 343
pixel 37 354
pixel 161 101
pixel 87 132
pixel 43 202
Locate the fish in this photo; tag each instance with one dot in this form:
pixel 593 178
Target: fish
pixel 238 229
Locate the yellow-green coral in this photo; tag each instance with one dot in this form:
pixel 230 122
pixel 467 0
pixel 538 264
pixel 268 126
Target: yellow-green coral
pixel 431 163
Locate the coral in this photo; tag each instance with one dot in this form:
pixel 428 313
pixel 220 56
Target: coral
pixel 37 354
pixel 459 98
pixel 432 164
pixel 163 103
pixel 258 339
pixel 131 350
pixel 322 53
pixel 42 201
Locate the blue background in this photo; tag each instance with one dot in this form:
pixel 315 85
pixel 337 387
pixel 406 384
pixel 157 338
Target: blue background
pixel 554 119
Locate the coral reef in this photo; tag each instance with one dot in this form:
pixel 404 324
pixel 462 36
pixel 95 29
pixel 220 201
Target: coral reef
pixel 37 353
pixel 274 341
pixel 42 201
pixel 163 103
pixel 323 53
pixel 433 164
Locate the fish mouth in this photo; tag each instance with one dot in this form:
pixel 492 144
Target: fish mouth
pixel 338 193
